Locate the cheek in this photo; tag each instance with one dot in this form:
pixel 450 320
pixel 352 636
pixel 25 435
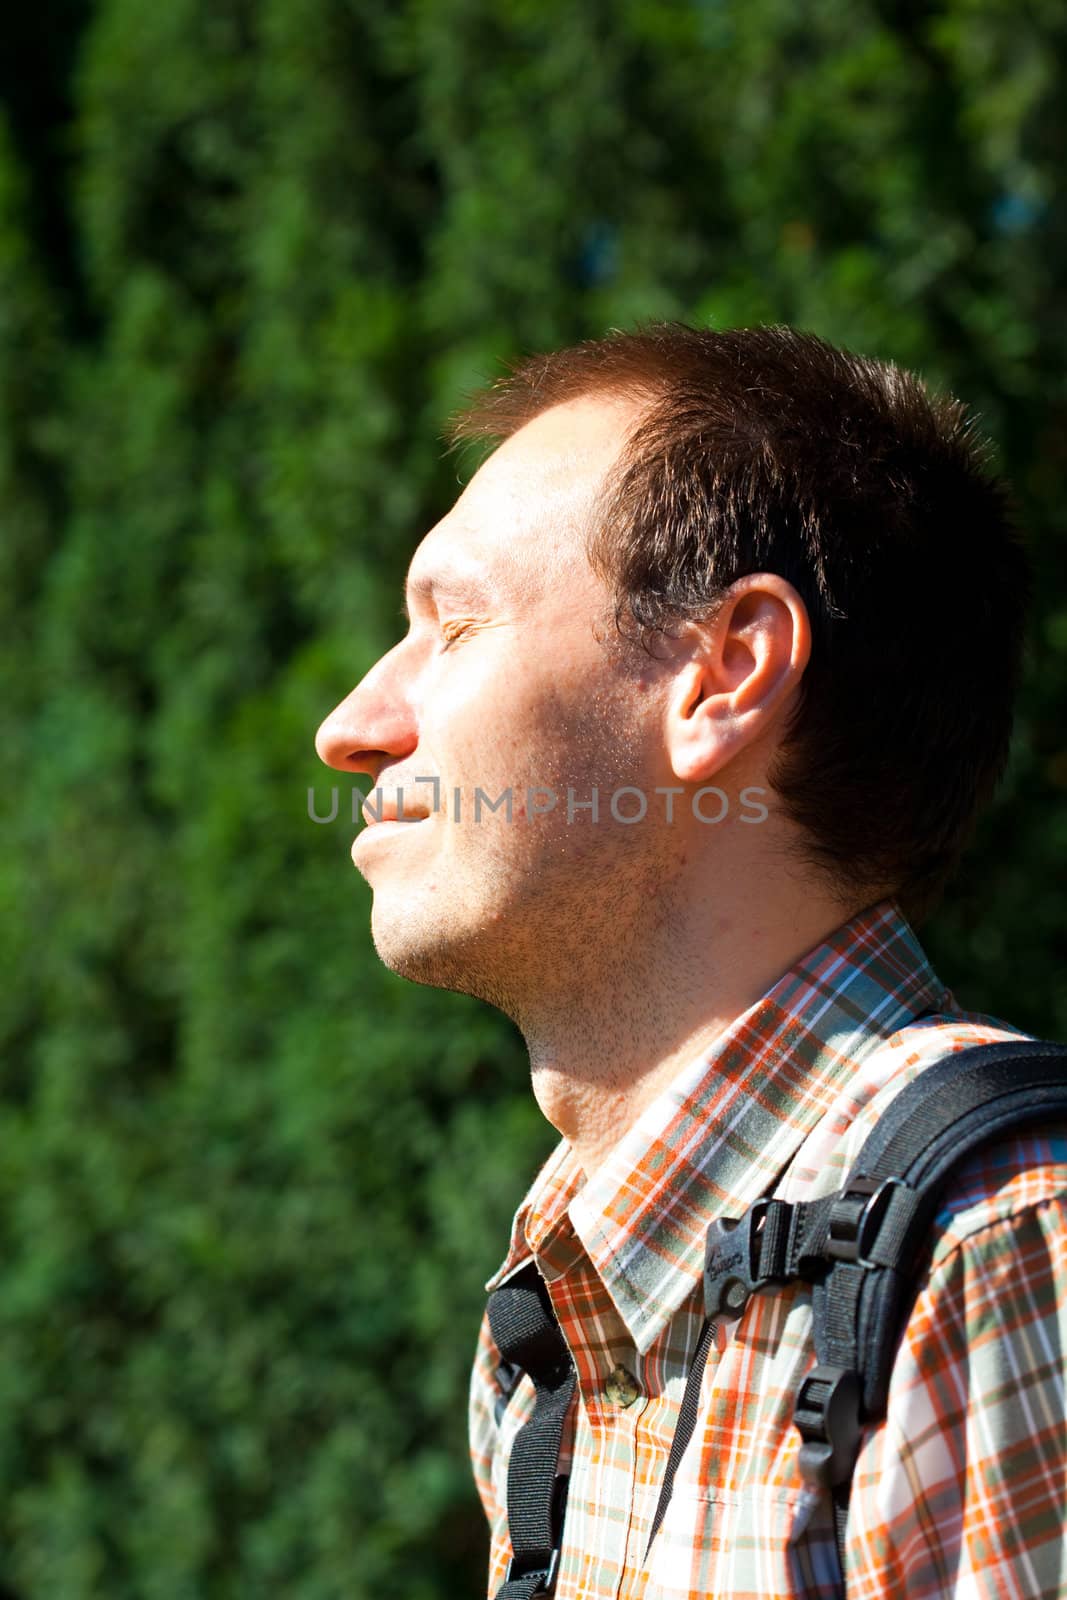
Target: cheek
pixel 490 720
pixel 495 725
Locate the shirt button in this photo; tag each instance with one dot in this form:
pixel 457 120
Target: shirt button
pixel 622 1388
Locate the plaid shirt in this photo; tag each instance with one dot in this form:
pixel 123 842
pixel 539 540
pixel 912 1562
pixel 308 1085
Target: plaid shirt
pixel 963 1489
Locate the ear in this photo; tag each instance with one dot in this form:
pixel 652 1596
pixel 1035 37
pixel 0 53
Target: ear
pixel 735 674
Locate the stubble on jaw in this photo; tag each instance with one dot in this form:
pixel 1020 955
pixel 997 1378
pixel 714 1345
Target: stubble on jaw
pixel 538 911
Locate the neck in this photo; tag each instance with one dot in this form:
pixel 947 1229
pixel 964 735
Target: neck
pixel 611 1036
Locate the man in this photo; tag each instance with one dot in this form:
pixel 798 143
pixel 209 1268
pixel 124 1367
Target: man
pixel 727 629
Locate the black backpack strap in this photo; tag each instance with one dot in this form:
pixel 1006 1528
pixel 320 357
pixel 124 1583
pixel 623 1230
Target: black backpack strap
pixel 862 1246
pixel 879 1224
pixel 526 1333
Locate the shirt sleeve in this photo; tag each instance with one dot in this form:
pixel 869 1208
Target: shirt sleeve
pixel 963 1491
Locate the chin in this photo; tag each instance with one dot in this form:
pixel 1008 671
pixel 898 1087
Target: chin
pixel 437 952
pixel 417 946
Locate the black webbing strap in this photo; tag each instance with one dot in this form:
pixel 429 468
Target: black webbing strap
pixel 526 1333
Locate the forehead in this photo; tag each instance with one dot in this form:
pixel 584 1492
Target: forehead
pixel 524 516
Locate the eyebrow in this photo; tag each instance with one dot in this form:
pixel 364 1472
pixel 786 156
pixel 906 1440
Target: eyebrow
pixel 453 582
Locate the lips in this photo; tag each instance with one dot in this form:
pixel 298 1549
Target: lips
pixel 387 808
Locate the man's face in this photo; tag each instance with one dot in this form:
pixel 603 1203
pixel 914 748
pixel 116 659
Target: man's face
pixel 502 684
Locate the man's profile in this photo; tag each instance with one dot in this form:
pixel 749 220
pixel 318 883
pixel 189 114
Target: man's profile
pixel 708 673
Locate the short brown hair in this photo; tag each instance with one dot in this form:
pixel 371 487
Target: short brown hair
pixel 767 449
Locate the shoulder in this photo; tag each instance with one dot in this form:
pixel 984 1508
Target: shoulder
pixel 1013 1174
pixel 884 1069
pixel 1007 1178
pixel 905 1055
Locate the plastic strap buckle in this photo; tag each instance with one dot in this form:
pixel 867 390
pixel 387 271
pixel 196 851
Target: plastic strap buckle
pixel 856 1216
pixel 733 1257
pixel 827 1414
pixel 532 1564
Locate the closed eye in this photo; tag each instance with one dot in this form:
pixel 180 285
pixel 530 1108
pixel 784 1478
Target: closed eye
pixel 451 632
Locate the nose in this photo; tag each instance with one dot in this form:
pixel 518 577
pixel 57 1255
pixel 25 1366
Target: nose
pixel 373 725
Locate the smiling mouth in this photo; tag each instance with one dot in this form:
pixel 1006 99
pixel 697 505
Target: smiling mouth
pixel 378 819
pixel 392 810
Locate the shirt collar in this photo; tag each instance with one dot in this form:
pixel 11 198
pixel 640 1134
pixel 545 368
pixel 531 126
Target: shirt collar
pixel 718 1137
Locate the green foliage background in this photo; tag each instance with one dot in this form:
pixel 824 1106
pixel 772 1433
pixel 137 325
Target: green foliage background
pixel 252 252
